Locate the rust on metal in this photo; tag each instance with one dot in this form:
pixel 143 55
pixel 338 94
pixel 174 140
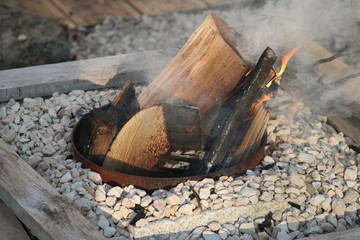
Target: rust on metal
pixel 153 183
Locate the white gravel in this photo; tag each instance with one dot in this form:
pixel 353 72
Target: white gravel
pixel 321 177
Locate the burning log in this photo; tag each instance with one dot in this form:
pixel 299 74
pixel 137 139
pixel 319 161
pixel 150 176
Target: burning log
pixel 207 83
pixel 220 145
pixel 202 74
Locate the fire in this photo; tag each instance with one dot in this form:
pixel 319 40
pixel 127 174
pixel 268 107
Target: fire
pixel 284 63
pixel 257 104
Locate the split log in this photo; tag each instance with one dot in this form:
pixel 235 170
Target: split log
pixel 107 121
pixel 152 133
pixel 330 72
pixel 223 135
pixel 37 204
pixel 204 72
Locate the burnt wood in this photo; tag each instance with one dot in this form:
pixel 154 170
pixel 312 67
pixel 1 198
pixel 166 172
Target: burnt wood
pixel 236 110
pixel 106 122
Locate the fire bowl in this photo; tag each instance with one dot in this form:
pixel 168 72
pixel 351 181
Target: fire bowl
pixel 152 183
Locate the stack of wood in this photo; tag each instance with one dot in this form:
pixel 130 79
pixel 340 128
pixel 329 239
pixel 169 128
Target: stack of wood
pixel 205 104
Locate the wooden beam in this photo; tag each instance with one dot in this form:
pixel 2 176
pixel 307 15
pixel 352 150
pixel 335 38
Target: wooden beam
pixel 37 204
pixel 88 74
pixel 331 72
pixel 10 227
pixel 157 7
pixel 88 13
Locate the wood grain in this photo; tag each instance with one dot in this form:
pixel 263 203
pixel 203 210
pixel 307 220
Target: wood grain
pixel 88 13
pixel 204 71
pixel 157 7
pixel 88 74
pixel 152 133
pixel 38 205
pixel 10 227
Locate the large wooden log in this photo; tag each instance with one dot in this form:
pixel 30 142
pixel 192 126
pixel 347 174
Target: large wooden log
pixel 152 133
pixel 38 205
pixel 204 72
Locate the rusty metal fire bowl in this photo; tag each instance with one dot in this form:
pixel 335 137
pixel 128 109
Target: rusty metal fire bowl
pixel 153 183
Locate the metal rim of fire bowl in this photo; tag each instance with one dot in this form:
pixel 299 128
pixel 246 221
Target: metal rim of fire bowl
pixel 153 183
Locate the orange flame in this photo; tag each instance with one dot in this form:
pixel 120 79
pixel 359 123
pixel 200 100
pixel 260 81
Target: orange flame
pixel 257 104
pixel 285 60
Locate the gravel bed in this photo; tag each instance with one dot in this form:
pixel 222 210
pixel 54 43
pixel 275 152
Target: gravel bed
pixel 309 164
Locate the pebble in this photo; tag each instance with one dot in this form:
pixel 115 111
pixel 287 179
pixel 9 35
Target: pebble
pixel 297 180
pixel 209 235
pixel 204 193
pixel 102 222
pixel 247 228
pixel 186 209
pixel 66 178
pixel 351 196
pixel 282 235
pixel 214 226
pixel 109 232
pixel 266 196
pixel 306 158
pixel 223 233
pixel 99 196
pixel 159 204
pixel 317 200
pixel 95 177
pixel 247 192
pixel 351 173
pixel 115 191
pixel 174 200
pixel 338 207
pixel 141 223
pixel 293 223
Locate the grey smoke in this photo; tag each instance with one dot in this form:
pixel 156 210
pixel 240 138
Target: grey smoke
pixel 333 23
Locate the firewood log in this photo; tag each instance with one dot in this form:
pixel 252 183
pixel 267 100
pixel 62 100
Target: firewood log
pixel 204 72
pixel 152 133
pixel 105 122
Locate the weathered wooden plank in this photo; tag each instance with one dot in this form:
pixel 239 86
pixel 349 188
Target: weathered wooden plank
pixel 87 74
pixel 87 13
pixel 214 3
pixel 331 72
pixel 10 227
pixel 157 7
pixel 38 205
pixel 43 8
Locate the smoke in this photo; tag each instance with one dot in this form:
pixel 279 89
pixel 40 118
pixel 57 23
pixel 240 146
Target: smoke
pixel 282 25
